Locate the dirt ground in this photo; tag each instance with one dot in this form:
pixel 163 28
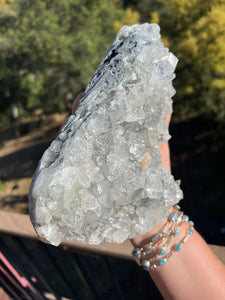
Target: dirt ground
pixel 21 148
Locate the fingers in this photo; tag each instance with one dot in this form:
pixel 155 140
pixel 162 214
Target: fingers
pixel 139 241
pixel 76 102
pixel 168 118
pixel 165 156
pixel 165 150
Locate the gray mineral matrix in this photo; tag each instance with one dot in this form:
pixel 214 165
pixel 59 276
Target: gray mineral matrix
pixel 101 179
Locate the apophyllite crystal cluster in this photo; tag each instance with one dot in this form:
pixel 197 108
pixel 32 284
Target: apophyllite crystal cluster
pixel 101 179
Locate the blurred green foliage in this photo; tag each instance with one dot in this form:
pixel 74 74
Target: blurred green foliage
pixel 194 30
pixel 50 49
pixel 2 186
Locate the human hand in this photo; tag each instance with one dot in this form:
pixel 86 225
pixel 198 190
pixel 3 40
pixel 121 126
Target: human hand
pixel 165 160
pixel 164 149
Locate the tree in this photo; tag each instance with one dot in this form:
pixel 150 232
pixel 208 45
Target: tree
pixel 197 36
pixel 194 30
pixel 50 49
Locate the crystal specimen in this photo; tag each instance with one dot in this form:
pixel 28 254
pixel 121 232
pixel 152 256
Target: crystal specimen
pixel 101 179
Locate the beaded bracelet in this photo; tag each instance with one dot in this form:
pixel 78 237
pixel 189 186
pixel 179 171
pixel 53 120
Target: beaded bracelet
pixel 158 241
pixel 174 221
pixel 166 231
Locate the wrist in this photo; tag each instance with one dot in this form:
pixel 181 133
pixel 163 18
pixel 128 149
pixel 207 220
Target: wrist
pixel 140 240
pixel 157 246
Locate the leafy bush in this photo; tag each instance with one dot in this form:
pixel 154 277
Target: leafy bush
pixel 2 186
pixel 50 50
pixel 194 31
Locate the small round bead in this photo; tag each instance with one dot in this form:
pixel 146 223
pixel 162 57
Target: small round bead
pixel 166 233
pixel 161 262
pixel 179 219
pixel 146 265
pixel 163 251
pixel 191 223
pixel 177 206
pixel 190 231
pixel 185 218
pixel 178 247
pixel 176 232
pixel 173 216
pixel 136 252
pixel 150 248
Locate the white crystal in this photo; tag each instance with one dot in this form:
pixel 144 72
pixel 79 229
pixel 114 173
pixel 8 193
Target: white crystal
pixel 102 179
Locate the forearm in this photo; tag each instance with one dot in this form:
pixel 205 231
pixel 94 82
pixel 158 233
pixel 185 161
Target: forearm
pixel 192 273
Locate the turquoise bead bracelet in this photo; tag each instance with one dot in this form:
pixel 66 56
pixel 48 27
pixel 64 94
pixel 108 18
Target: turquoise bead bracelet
pixel 157 248
pixel 169 230
pixel 177 248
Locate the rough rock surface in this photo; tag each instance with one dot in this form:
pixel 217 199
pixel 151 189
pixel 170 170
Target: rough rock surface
pixel 101 179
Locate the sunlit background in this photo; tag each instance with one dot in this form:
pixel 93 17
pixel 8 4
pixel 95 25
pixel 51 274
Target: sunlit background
pixel 50 49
